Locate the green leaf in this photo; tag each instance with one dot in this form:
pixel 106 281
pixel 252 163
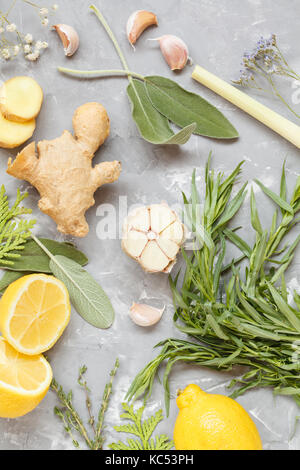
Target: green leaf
pixel 9 277
pixel 184 108
pixel 284 308
pixel 36 260
pixel 88 298
pixel 152 125
pixel 277 199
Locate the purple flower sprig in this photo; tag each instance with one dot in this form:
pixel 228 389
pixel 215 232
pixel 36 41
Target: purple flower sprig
pixel 262 64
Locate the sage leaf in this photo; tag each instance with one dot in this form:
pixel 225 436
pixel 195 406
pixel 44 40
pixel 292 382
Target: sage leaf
pixel 9 277
pixel 88 298
pixel 183 108
pixel 34 259
pixel 152 125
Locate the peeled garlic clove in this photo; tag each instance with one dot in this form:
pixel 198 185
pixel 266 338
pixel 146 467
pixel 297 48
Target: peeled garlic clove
pixel 174 232
pixel 169 247
pixel 174 50
pixel 145 315
pixel 153 258
pixel 138 22
pixel 69 38
pixel 139 219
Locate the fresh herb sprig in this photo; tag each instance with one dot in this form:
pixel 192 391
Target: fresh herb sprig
pixel 157 100
pixel 13 232
pixel 246 321
pixel 73 423
pixel 143 430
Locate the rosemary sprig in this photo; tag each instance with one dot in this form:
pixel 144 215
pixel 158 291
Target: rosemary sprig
pixel 13 233
pixel 247 320
pixel 72 422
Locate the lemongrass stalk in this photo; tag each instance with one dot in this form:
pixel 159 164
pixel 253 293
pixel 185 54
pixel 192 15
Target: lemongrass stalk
pixel 287 129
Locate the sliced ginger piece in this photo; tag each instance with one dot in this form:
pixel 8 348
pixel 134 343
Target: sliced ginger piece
pixel 62 172
pixel 13 134
pixel 20 99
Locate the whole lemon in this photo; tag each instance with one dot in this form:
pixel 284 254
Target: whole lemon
pixel 213 422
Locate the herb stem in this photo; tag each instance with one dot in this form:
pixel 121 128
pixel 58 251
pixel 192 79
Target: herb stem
pixel 100 73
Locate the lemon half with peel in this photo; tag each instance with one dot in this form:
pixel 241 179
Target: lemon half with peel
pixel 213 422
pixel 24 381
pixel 34 312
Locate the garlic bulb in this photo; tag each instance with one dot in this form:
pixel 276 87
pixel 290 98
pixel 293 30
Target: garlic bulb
pixel 138 22
pixel 174 50
pixel 69 38
pixel 145 315
pixel 152 235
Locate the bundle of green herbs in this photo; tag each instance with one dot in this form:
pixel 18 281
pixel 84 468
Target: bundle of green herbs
pixel 247 320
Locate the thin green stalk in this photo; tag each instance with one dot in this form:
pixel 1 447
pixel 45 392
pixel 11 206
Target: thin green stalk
pixel 100 73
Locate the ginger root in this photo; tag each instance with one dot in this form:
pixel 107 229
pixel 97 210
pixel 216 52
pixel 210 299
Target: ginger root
pixel 62 170
pixel 20 99
pixel 13 134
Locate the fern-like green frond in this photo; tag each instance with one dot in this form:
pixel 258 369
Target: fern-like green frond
pixel 13 233
pixel 142 429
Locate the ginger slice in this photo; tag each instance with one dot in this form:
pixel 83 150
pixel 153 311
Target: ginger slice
pixel 153 259
pixel 13 134
pixel 134 243
pixel 62 170
pixel 161 216
pixel 20 99
pixel 174 232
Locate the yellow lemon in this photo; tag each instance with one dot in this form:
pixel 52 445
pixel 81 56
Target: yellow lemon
pixel 34 311
pixel 213 422
pixel 24 381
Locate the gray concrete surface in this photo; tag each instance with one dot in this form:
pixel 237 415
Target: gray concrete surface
pixel 217 32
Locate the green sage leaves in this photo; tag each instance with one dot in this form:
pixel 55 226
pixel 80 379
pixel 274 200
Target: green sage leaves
pixel 184 108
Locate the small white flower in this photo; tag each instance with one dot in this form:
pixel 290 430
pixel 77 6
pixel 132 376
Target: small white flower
pixel 38 45
pixel 10 28
pixel 27 49
pixel 45 22
pixel 16 50
pixel 32 57
pixel 44 45
pixel 55 7
pixel 28 38
pixel 2 30
pixel 44 11
pixel 5 53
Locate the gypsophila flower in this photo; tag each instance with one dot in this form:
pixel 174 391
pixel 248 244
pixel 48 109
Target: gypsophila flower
pixel 16 50
pixel 44 45
pixel 261 64
pixel 28 38
pixel 45 21
pixel 44 11
pixel 10 28
pixel 38 45
pixel 5 53
pixel 27 49
pixel 32 57
pixel 2 30
pixel 55 7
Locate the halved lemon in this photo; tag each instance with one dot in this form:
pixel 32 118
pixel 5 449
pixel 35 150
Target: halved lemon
pixel 24 381
pixel 34 312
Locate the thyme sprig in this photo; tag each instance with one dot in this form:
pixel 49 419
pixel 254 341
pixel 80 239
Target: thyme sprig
pixel 248 320
pixel 72 422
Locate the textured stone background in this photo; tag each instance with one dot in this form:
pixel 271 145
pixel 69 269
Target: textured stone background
pixel 217 32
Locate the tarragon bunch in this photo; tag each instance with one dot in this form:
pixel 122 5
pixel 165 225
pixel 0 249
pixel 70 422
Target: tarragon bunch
pixel 143 430
pixel 13 233
pixel 73 423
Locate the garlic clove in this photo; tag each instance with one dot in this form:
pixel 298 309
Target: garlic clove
pixel 174 232
pixel 139 219
pixel 174 50
pixel 153 259
pixel 134 243
pixel 69 38
pixel 138 22
pixel 161 216
pixel 145 315
pixel 169 247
